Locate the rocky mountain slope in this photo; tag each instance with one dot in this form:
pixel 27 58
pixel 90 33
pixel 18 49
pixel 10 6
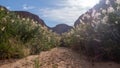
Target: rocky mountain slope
pixel 26 14
pixel 61 28
pixel 98 12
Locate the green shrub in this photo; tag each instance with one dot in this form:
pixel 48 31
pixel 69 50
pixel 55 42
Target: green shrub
pixel 22 35
pixel 101 43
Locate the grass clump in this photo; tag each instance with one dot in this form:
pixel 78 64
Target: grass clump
pixel 20 36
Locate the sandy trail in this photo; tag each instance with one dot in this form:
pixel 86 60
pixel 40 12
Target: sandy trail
pixel 58 58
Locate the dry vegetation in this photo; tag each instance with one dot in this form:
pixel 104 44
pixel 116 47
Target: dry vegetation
pixel 58 58
pixel 95 45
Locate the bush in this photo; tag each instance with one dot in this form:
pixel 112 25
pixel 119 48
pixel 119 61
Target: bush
pixel 20 37
pixel 100 42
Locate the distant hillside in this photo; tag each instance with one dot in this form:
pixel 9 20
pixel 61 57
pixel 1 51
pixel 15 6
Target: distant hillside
pixel 61 28
pixel 26 14
pixel 4 7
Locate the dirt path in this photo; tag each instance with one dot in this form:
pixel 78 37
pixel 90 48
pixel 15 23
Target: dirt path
pixel 58 58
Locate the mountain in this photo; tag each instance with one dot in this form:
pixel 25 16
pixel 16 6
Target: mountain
pixel 3 8
pixel 26 14
pixel 99 12
pixel 61 28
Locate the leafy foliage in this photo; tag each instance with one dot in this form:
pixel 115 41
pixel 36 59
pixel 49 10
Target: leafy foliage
pixel 20 37
pixel 98 42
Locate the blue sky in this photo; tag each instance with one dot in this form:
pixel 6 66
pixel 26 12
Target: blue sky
pixel 53 12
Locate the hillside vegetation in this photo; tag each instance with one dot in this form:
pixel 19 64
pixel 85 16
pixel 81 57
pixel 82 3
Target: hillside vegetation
pixel 20 37
pixel 95 36
pixel 99 40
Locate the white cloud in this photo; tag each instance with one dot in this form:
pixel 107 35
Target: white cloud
pixel 66 15
pixel 26 7
pixel 68 10
pixel 78 3
pixel 8 7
